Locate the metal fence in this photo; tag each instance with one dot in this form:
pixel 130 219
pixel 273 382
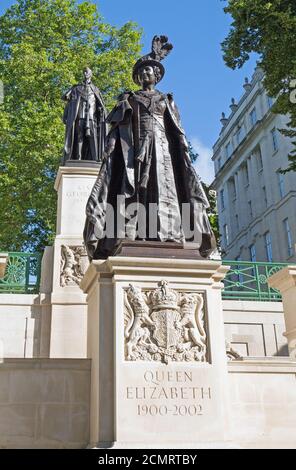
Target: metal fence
pixel 249 281
pixel 244 281
pixel 22 275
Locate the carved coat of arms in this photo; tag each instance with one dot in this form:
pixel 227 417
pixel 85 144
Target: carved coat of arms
pixel 164 325
pixel 74 263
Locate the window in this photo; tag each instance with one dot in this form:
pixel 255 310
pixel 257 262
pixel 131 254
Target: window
pixel 232 189
pixel 222 199
pixel 265 196
pixel 252 250
pixel 226 234
pixel 246 174
pixel 240 135
pixel 259 159
pixel 228 150
pixel 288 237
pixel 281 183
pixel 268 246
pixel 269 102
pixel 250 209
pixel 275 143
pixel 253 117
pixel 219 163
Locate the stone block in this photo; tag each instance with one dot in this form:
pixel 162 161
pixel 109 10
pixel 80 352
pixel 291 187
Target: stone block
pixel 77 387
pixel 17 421
pixel 79 424
pixel 4 386
pixel 54 422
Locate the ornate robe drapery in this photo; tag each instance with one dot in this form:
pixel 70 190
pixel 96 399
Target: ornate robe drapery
pixel 147 162
pixel 73 98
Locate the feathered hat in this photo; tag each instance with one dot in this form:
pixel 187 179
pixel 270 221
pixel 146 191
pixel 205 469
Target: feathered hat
pixel 160 49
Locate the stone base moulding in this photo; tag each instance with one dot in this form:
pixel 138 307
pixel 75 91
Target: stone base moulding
pixel 156 340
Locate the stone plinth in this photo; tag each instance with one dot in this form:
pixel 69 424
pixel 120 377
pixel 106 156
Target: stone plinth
pixel 73 185
pixel 3 262
pixel 156 340
pixel 63 267
pixel 285 282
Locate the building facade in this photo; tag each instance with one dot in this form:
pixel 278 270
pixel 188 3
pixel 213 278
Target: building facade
pixel 256 203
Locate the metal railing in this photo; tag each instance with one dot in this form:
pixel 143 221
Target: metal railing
pixel 249 281
pixel 22 274
pixel 244 281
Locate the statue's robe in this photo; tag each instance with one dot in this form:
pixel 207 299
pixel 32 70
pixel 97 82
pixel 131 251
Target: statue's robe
pixel 73 98
pixel 119 176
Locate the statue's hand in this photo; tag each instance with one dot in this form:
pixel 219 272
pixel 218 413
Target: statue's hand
pixel 109 148
pixel 104 157
pixel 67 96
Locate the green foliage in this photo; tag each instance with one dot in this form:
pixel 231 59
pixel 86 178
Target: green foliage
pixel 212 198
pixel 268 29
pixel 44 45
pixel 213 213
pixel 192 153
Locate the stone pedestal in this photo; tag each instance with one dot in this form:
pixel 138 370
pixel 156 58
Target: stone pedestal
pixel 64 319
pixel 157 344
pixel 73 185
pixel 285 282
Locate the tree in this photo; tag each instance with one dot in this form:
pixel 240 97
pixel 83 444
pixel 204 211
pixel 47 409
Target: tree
pixel 44 45
pixel 212 198
pixel 213 213
pixel 268 29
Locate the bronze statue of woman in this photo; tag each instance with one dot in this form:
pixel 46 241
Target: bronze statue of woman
pixel 147 179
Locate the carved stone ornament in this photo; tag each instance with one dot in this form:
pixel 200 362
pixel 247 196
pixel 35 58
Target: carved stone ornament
pixel 164 325
pixel 74 263
pixel 232 355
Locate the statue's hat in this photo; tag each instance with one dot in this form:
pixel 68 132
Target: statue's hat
pixel 160 49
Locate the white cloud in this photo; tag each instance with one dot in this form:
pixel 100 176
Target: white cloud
pixel 204 165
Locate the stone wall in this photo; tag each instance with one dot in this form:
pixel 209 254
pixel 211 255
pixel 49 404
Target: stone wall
pixel 20 325
pixel 255 329
pixel 44 403
pixel 263 403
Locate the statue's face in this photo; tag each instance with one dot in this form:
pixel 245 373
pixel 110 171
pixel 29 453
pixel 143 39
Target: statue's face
pixel 87 73
pixel 147 75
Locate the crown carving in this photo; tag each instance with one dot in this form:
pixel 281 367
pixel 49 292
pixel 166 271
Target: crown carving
pixel 164 297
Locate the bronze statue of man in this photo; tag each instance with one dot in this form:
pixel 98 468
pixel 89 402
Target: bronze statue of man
pixel 85 120
pixel 147 175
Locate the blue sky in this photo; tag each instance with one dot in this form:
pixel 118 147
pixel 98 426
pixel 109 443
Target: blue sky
pixel 195 72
